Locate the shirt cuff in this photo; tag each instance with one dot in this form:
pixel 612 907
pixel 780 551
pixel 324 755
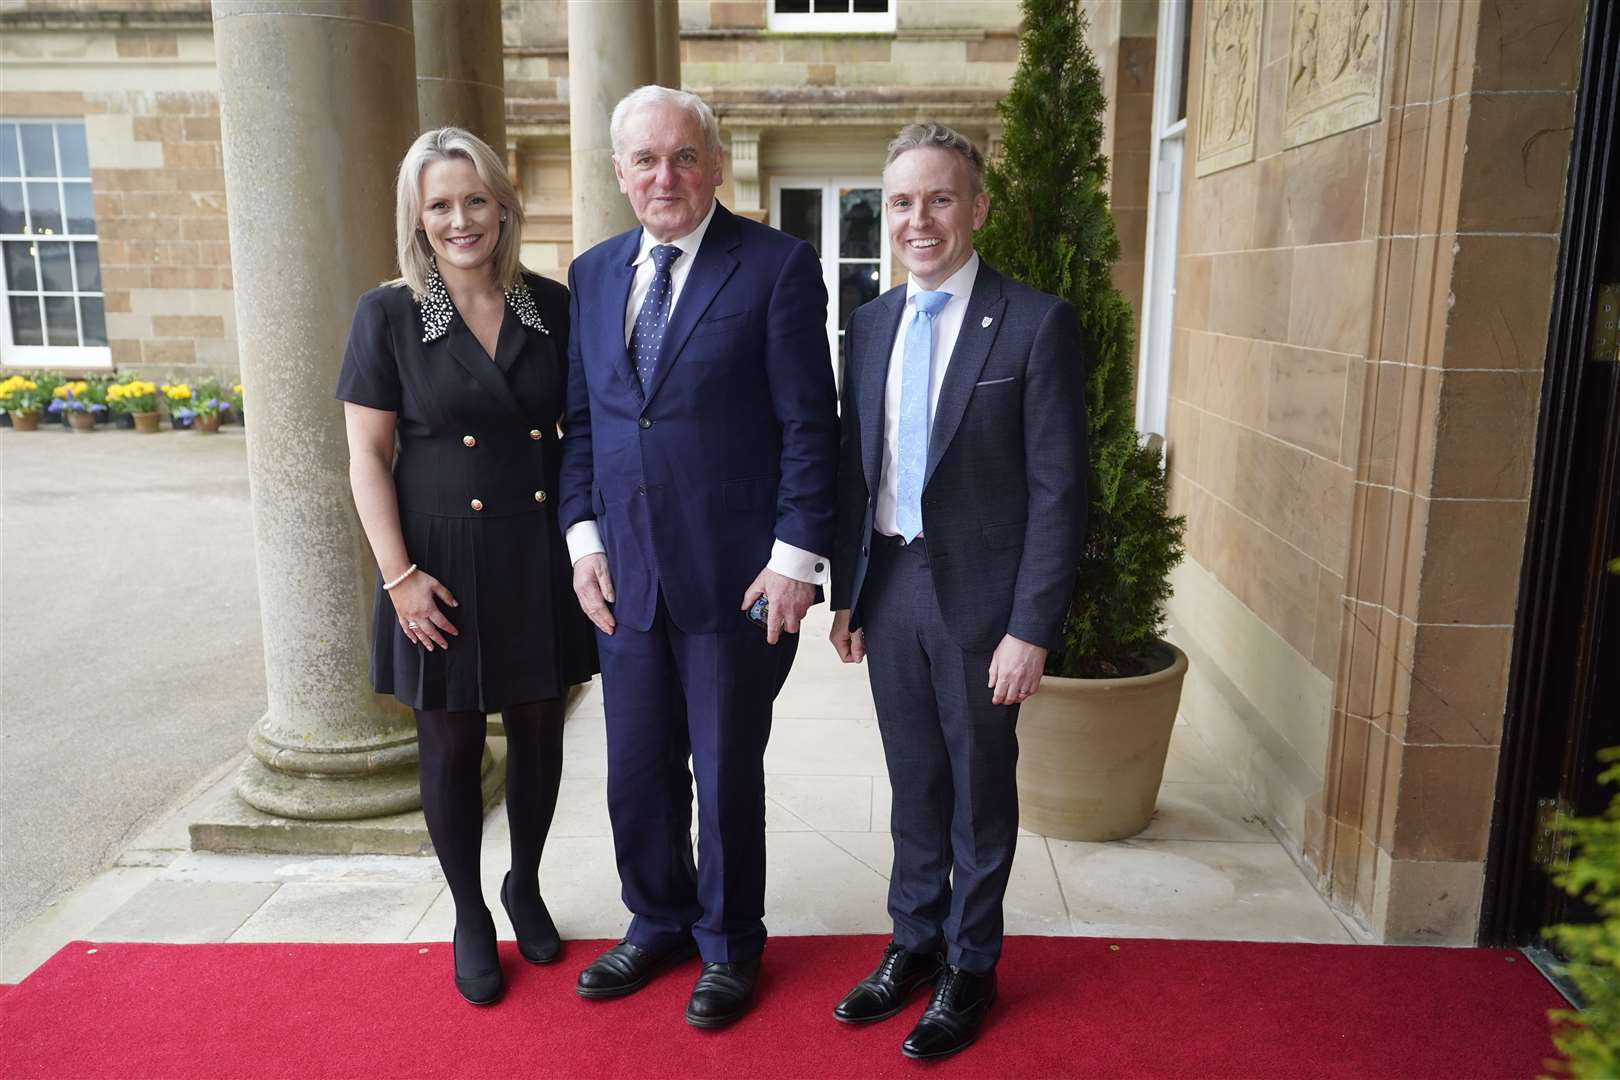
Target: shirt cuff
pixel 583 538
pixel 793 562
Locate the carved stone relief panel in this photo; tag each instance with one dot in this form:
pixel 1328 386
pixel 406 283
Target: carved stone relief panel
pixel 1229 96
pixel 1335 67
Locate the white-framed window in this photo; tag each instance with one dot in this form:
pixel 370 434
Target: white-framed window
pixel 842 218
pixel 830 16
pixel 53 313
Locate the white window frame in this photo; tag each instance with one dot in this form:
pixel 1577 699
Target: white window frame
pixel 830 261
pixel 1165 173
pixel 52 356
pixel 830 22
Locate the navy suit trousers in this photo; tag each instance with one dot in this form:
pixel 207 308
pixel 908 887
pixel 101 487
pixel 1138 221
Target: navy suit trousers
pixel 952 757
pixel 671 696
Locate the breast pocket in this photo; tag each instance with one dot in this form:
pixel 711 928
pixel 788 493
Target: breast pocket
pixel 721 324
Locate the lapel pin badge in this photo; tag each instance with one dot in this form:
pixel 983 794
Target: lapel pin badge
pixel 986 321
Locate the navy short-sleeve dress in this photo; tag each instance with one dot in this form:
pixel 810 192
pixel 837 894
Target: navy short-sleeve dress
pixel 476 476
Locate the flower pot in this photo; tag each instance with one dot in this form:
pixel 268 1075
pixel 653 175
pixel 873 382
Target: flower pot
pixel 180 423
pixel 206 424
pixel 144 422
pixel 82 421
pixel 25 421
pixel 123 421
pixel 5 419
pixel 103 417
pixel 1091 752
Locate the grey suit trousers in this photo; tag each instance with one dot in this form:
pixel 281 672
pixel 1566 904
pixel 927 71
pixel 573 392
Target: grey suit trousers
pixel 952 758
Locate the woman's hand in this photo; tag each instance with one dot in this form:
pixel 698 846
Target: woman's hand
pixel 416 605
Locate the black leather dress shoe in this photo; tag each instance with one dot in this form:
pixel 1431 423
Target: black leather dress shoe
pixel 625 968
pixel 722 993
pixel 473 951
pixel 537 939
pixel 951 1021
pixel 883 993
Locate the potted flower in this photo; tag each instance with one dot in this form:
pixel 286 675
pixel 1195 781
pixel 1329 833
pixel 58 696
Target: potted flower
pixel 136 400
pixel 179 399
pixel 21 398
pixel 76 406
pixel 48 381
pixel 1095 738
pixel 95 392
pixel 237 409
pixel 208 403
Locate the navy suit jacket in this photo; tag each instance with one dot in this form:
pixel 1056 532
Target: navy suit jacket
pixel 1004 490
pixel 732 444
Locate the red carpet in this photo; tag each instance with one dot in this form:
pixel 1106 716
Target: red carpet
pixel 1070 1007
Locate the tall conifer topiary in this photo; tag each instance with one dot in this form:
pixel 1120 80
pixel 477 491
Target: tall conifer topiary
pixel 1050 228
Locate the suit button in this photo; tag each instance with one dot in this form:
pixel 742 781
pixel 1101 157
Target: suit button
pixel 645 423
pixel 468 441
pixel 477 504
pixel 539 496
pixel 534 433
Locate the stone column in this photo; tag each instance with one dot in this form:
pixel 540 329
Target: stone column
pixel 612 49
pixel 318 105
pixel 460 77
pixel 667 15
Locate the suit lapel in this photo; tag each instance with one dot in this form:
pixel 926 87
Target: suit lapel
pixel 711 269
pixel 620 276
pixel 979 328
pixel 471 356
pixel 871 392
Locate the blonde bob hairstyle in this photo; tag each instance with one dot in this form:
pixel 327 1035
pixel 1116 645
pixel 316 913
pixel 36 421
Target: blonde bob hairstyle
pixel 415 253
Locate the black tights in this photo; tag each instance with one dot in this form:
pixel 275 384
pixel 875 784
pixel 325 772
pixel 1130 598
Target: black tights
pixel 451 748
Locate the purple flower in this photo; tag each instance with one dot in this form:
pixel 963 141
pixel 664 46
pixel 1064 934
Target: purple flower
pixel 186 414
pixel 56 405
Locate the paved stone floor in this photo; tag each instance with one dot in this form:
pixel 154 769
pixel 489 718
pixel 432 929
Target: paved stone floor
pixel 1207 867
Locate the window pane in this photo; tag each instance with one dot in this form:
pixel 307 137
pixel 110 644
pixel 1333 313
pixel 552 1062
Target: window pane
pixel 25 324
pixel 9 164
pixel 859 222
pixel 89 267
pixel 70 145
pixel 61 322
pixel 801 214
pixel 792 7
pixel 95 323
pixel 11 208
pixel 832 5
pixel 81 208
pixel 39 155
pixel 20 276
pixel 869 7
pixel 53 267
pixel 44 209
pixel 857 283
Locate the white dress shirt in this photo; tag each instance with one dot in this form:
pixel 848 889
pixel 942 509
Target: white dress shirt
pixel 947 325
pixel 583 537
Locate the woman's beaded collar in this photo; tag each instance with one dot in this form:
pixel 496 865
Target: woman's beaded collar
pixel 437 310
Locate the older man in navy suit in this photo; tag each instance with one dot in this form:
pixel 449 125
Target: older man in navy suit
pixel 698 465
pixel 961 513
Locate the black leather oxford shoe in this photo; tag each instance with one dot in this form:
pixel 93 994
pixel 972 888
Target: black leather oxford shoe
pixel 884 992
pixel 625 968
pixel 951 1021
pixel 722 993
pixel 473 952
pixel 537 939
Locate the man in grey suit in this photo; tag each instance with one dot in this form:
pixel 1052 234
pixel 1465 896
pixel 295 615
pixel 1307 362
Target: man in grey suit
pixel 961 514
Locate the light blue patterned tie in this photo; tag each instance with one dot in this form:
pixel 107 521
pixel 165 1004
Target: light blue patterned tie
pixel 916 375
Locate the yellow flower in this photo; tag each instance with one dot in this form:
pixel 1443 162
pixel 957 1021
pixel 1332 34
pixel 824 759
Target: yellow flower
pixel 237 388
pixel 178 392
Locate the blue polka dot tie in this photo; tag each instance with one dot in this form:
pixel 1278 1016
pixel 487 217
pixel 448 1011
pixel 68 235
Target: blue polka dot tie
pixel 916 377
pixel 653 318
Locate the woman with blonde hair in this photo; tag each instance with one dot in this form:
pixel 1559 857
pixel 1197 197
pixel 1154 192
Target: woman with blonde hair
pixel 453 386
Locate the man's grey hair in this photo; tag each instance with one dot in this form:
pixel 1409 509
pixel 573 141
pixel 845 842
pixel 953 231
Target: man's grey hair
pixel 929 134
pixel 643 96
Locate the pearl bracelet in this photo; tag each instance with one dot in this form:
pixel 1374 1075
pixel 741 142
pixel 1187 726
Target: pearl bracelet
pixel 409 570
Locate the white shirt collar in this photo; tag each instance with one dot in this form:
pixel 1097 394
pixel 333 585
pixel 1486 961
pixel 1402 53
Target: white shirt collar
pixel 959 284
pixel 688 243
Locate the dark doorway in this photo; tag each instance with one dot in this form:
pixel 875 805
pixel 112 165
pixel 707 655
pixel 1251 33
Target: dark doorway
pixel 1564 687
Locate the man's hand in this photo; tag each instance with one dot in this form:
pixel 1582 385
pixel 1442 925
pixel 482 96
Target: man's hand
pixel 1015 671
pixel 594 587
pixel 788 600
pixel 851 648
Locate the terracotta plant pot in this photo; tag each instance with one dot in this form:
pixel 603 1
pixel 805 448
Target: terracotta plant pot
pixel 1091 752
pixel 206 424
pixel 82 421
pixel 145 422
pixel 25 421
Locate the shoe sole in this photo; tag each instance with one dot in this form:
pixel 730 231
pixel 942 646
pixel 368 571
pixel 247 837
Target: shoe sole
pixel 710 1023
pixel 679 956
pixel 486 1002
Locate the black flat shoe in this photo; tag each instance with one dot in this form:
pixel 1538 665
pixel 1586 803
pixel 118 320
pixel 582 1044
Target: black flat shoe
pixel 537 939
pixel 478 983
pixel 951 1021
pixel 884 992
pixel 626 968
pixel 722 993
